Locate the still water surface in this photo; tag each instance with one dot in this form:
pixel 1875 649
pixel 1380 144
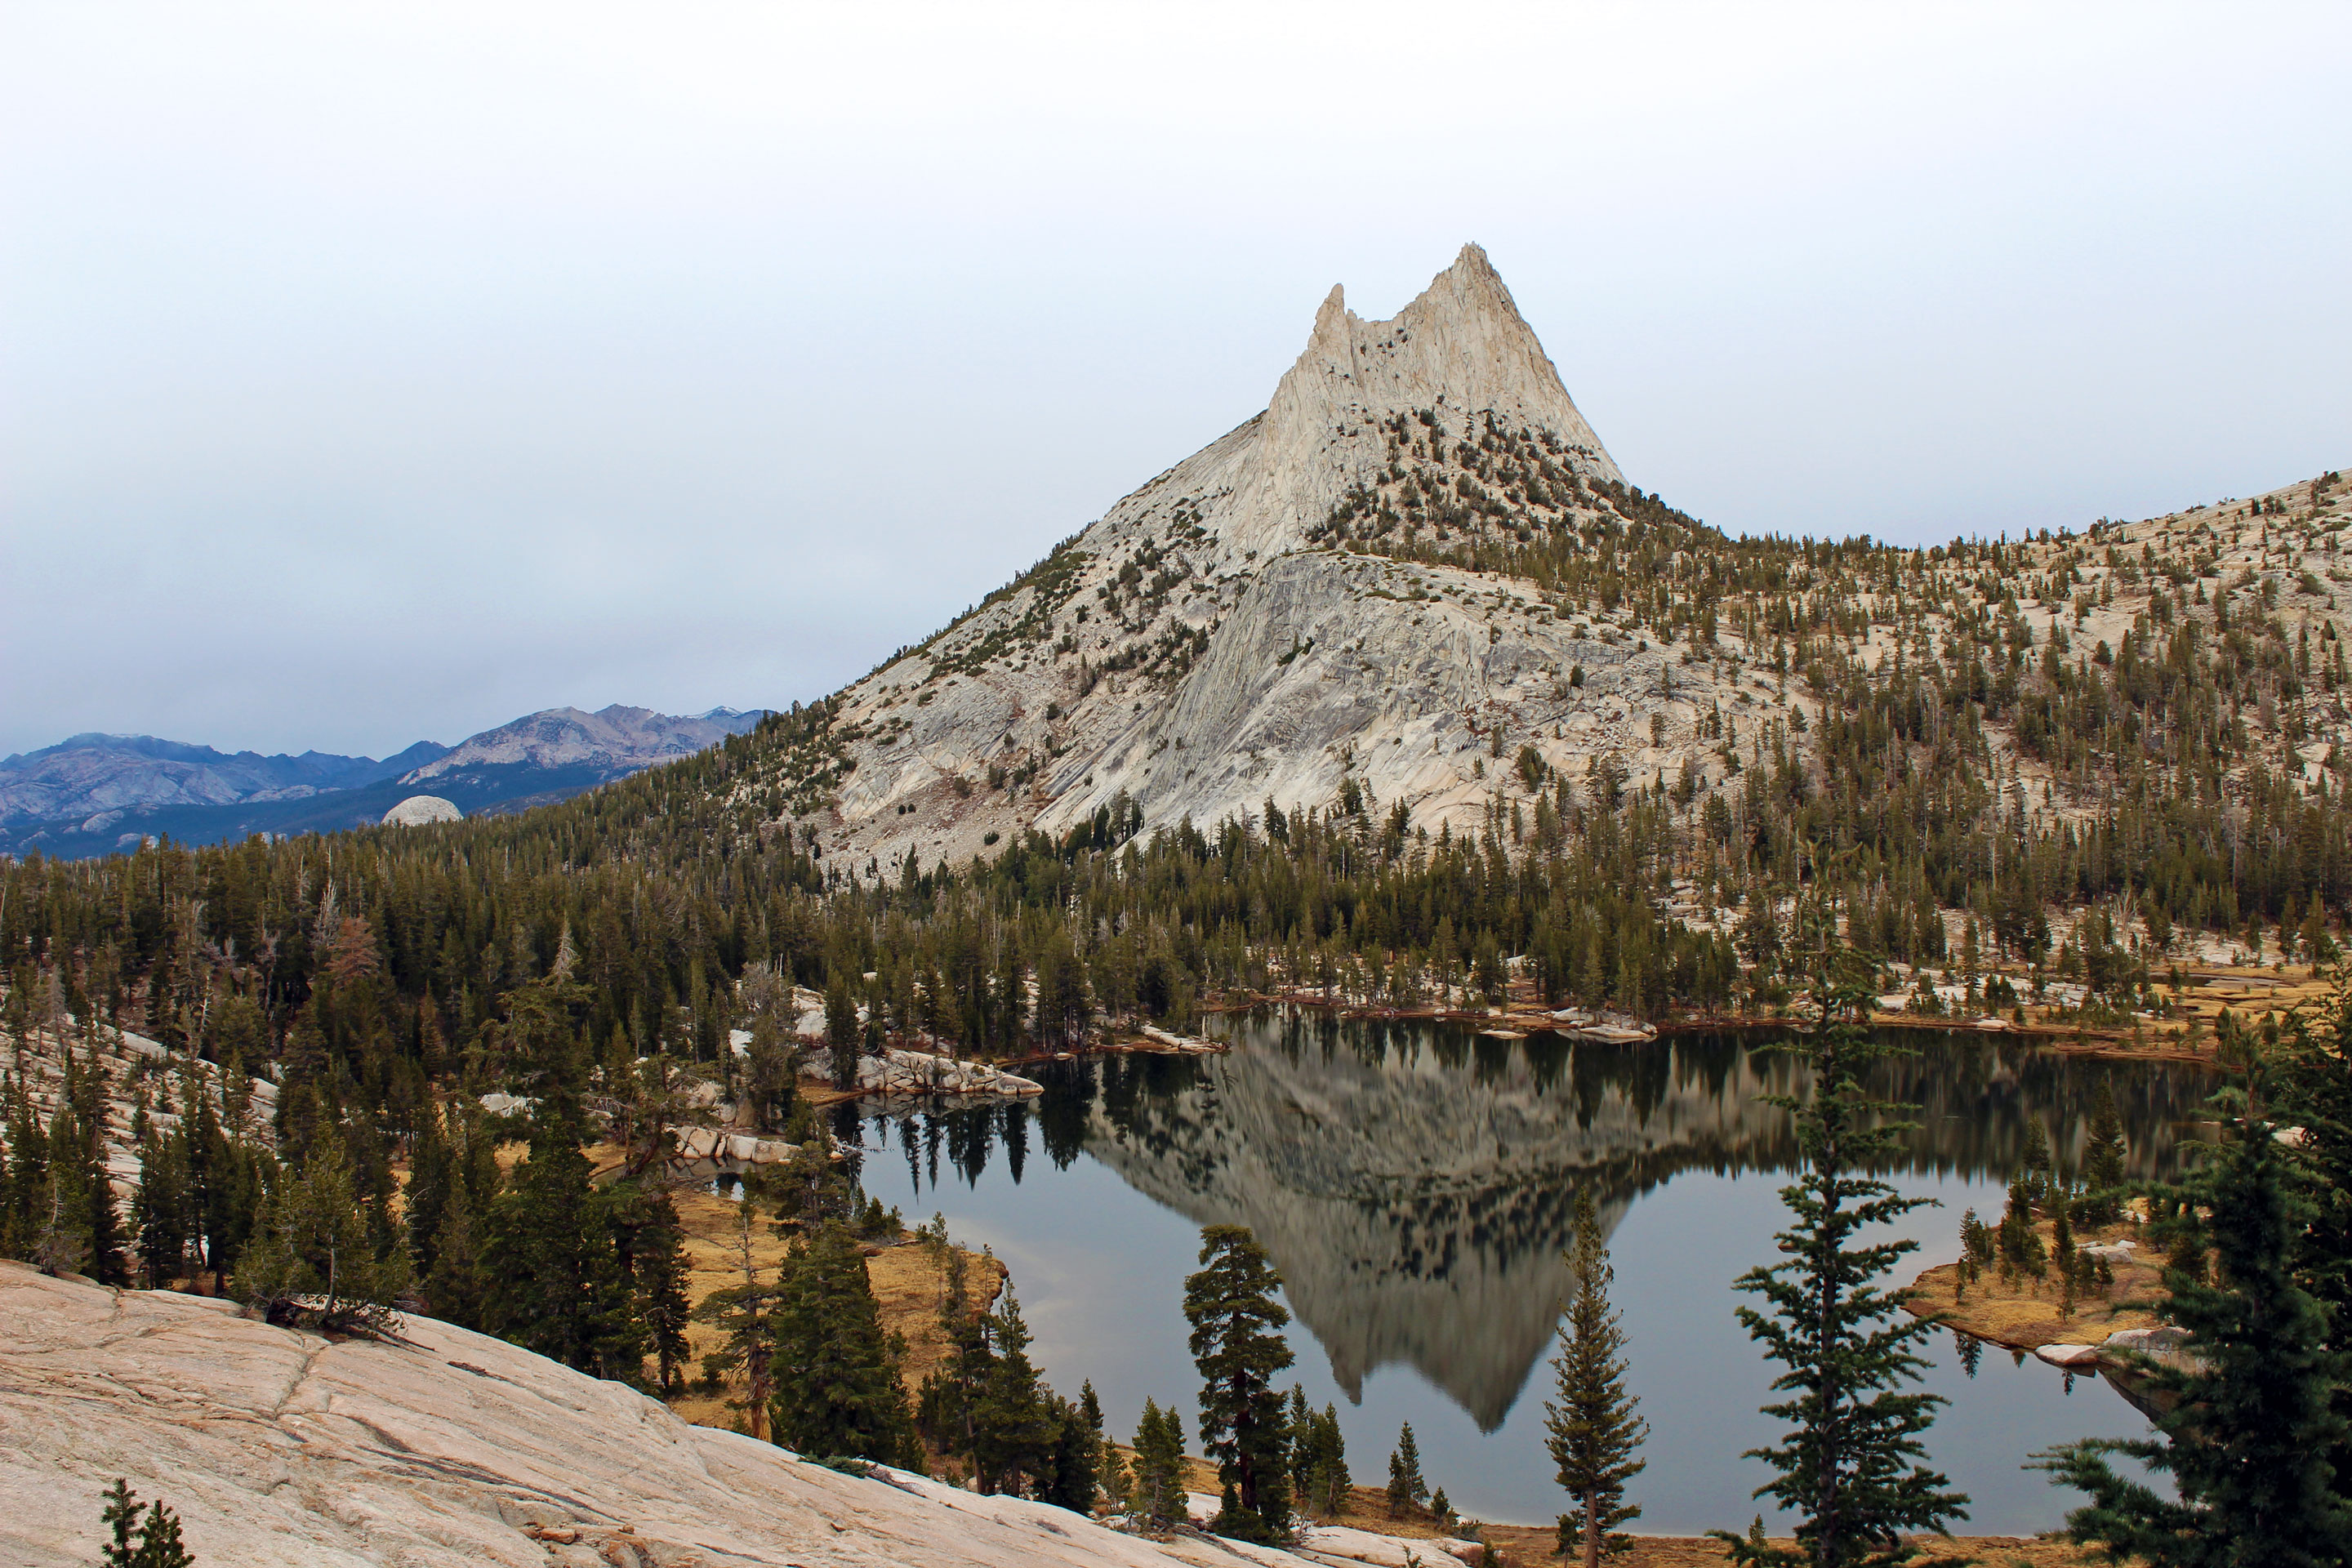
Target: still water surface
pixel 1412 1183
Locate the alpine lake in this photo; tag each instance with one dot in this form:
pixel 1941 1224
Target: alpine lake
pixel 1413 1181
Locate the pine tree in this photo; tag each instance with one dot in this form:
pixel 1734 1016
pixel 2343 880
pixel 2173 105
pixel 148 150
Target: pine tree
pixel 946 1408
pixel 2102 1160
pixel 2251 1434
pixel 1110 1475
pixel 312 1262
pixel 83 1232
pixel 771 1087
pixel 1327 1482
pixel 159 1544
pixel 121 1517
pixel 1012 1425
pixel 1063 1006
pixel 745 1314
pixel 457 1291
pixel 1593 1429
pixel 1298 1430
pixel 2314 1089
pixel 29 1190
pixel 432 1178
pixel 841 1034
pixel 650 1245
pixel 556 1283
pixel 1848 1467
pixel 1236 1342
pixel 161 1207
pixel 227 1181
pixel 1406 1489
pixel 1073 1467
pixel 836 1375
pixel 1159 1491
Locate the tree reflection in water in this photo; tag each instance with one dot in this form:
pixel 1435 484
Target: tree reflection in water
pixel 1413 1181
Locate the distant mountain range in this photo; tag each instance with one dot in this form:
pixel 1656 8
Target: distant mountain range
pixel 95 793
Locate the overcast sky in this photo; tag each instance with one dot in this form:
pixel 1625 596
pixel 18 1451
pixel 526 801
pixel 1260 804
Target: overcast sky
pixel 370 374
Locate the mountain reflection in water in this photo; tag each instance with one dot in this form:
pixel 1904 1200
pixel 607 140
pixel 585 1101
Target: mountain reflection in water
pixel 1413 1181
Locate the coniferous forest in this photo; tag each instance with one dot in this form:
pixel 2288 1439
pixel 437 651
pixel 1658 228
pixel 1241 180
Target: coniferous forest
pixel 333 1010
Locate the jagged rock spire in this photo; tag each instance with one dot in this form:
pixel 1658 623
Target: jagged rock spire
pixel 1460 348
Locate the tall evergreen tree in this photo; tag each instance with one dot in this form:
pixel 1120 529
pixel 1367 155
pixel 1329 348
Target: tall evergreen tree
pixel 841 1030
pixel 1320 1460
pixel 226 1180
pixel 948 1405
pixel 2314 1084
pixel 1593 1432
pixel 836 1375
pixel 2102 1160
pixel 432 1178
pixel 745 1314
pixel 1012 1421
pixel 2249 1438
pixel 29 1189
pixel 1237 1344
pixel 1407 1488
pixel 161 1207
pixel 556 1286
pixel 1073 1466
pixel 1064 1007
pixel 84 1230
pixel 650 1245
pixel 1111 1476
pixel 1159 1491
pixel 1848 1467
pixel 458 1289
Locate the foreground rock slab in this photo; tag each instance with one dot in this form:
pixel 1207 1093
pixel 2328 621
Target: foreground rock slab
pixel 277 1447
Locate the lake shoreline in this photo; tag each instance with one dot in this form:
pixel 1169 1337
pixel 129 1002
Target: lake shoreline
pixel 1517 1546
pixel 2186 1045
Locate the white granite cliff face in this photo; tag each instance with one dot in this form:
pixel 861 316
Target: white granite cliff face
pixel 1201 649
pixel 451 1450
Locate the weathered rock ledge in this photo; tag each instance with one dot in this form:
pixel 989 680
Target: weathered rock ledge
pixel 452 1448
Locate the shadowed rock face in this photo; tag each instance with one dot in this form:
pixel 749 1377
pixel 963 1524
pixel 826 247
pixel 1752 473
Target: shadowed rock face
pixel 1415 1187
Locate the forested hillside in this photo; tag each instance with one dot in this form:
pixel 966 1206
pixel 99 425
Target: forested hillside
pixel 1991 772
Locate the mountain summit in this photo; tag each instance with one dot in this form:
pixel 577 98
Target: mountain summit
pixel 1416 589
pixel 1337 589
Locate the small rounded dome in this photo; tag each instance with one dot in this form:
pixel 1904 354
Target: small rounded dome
pixel 419 809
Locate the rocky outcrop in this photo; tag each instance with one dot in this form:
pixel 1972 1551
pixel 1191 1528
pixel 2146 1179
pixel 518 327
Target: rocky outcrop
pixel 422 810
pixel 135 1067
pixel 447 1450
pixel 922 1072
